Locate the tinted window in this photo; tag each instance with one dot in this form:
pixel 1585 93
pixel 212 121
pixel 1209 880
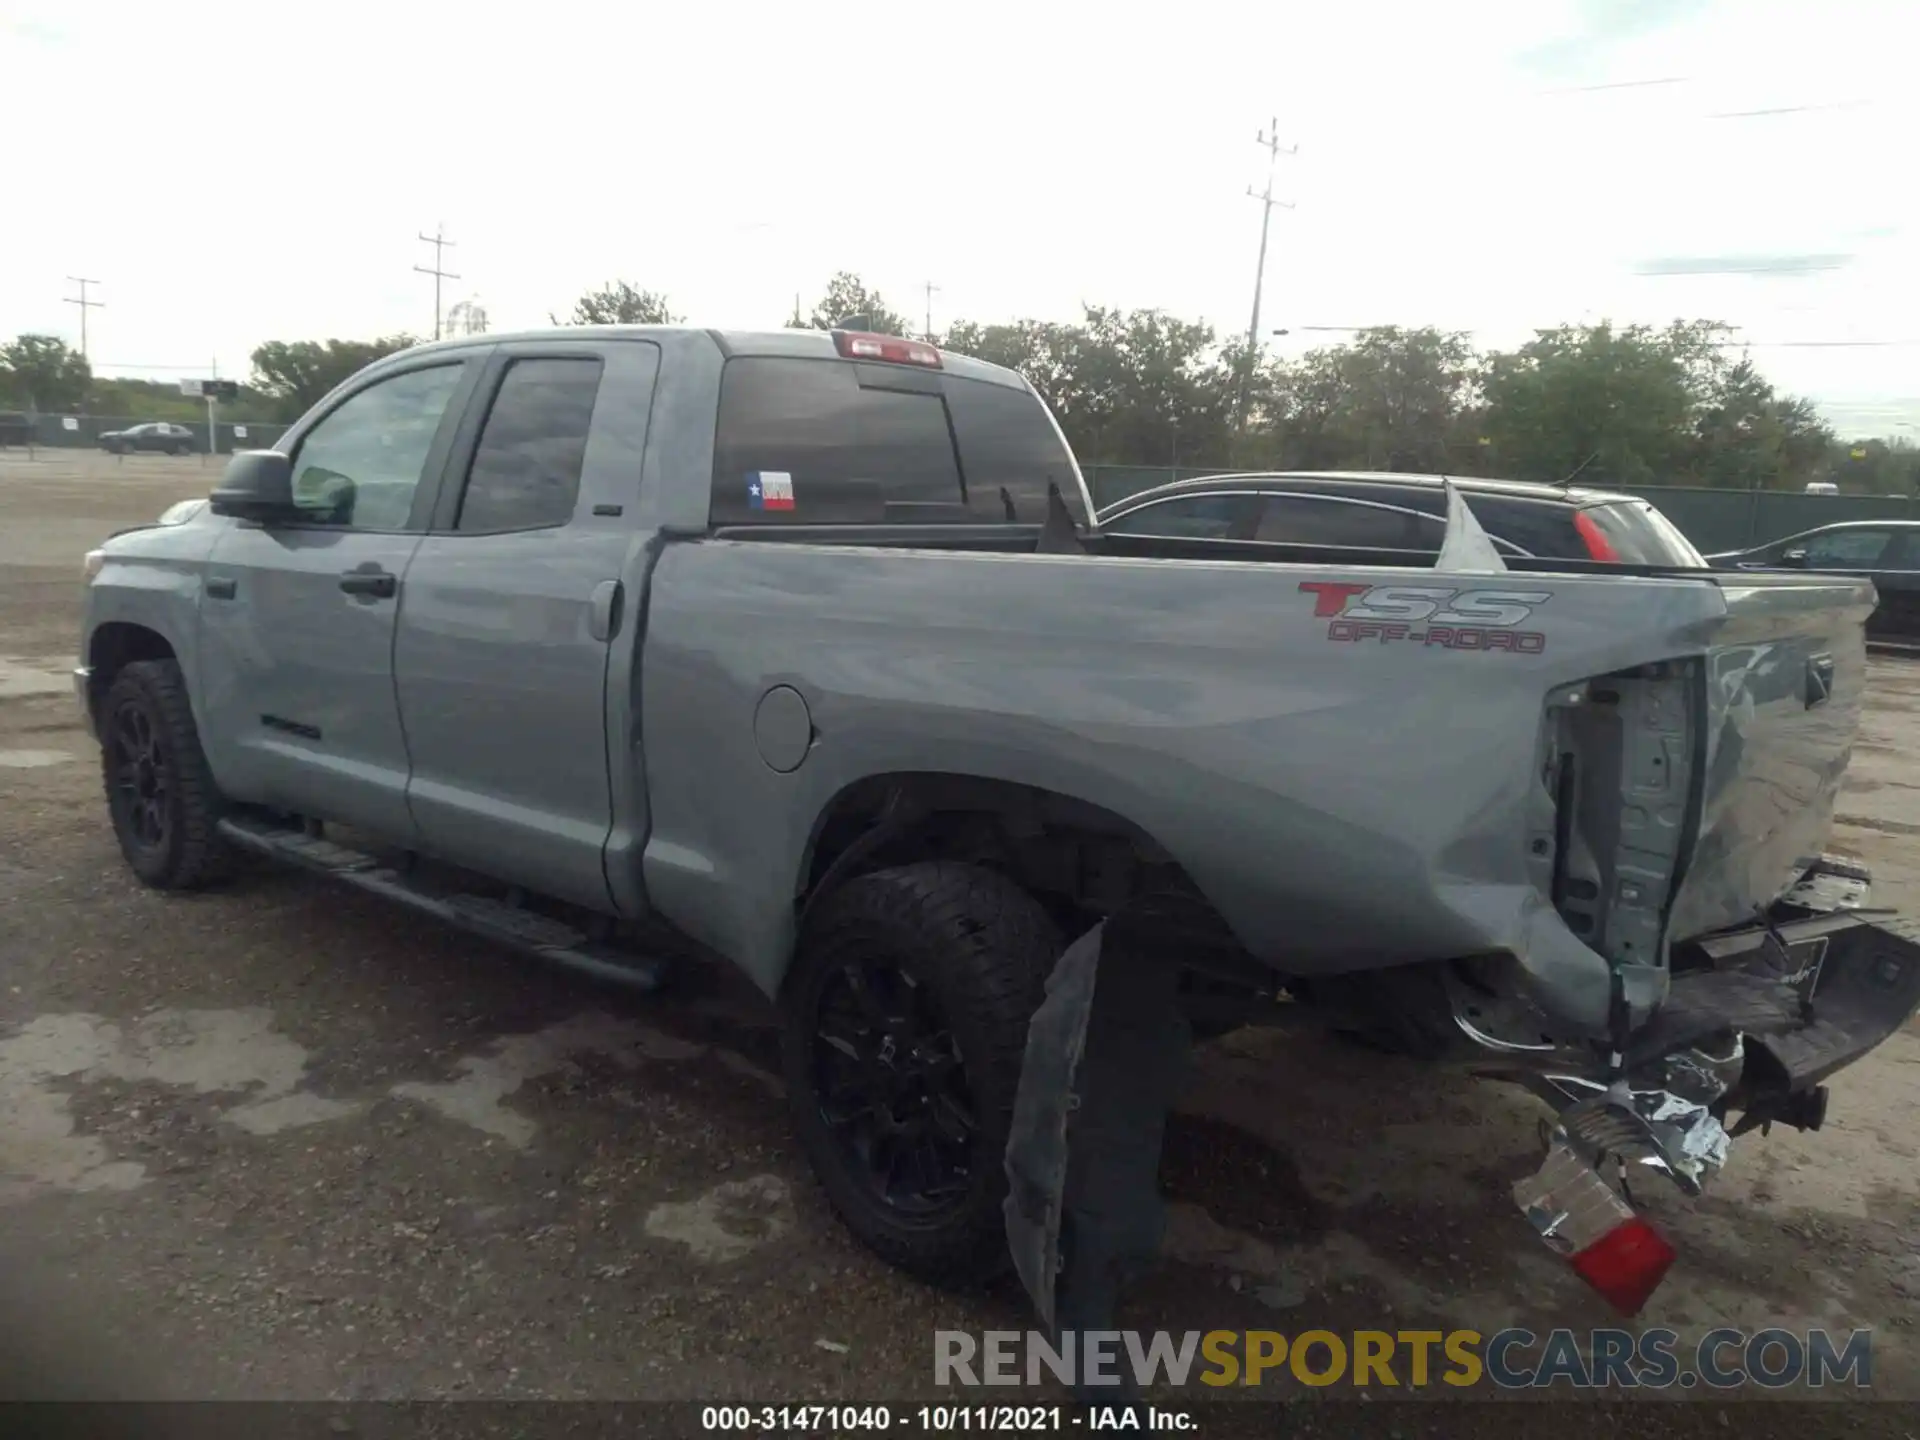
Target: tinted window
pixel 1641 535
pixel 1206 517
pixel 1903 553
pixel 828 442
pixel 360 466
pixel 1545 530
pixel 526 468
pixel 1010 452
pixel 802 441
pixel 1311 520
pixel 1845 547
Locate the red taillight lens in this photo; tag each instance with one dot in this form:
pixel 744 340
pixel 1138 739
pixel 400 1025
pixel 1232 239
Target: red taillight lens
pixel 1626 1265
pixel 1597 543
pixel 856 345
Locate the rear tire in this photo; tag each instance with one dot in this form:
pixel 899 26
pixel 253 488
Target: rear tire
pixel 902 1080
pixel 160 793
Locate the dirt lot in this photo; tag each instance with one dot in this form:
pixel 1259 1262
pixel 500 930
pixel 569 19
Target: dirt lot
pixel 282 1140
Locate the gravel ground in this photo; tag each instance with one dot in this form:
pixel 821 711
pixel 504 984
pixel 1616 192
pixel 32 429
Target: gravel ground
pixel 281 1140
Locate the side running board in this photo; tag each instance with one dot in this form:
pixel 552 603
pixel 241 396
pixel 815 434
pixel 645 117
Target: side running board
pixel 520 929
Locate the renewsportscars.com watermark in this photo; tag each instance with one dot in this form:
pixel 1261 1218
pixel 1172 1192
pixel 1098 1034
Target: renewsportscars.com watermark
pixel 1514 1359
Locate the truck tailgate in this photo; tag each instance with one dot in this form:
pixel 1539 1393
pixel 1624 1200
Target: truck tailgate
pixel 1785 681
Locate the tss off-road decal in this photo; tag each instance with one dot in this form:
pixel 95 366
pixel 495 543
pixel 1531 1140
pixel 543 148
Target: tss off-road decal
pixel 1432 615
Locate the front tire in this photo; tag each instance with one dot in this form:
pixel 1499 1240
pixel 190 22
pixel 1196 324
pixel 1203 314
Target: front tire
pixel 906 1027
pixel 160 793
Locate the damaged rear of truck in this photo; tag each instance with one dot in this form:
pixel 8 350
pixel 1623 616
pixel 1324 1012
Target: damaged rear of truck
pixel 1560 823
pixel 1564 828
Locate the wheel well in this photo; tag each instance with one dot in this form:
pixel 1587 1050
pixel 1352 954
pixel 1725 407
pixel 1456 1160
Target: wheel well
pixel 116 645
pixel 1080 859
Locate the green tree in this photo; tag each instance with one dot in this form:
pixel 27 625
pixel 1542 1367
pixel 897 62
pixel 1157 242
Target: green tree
pixel 1392 399
pixel 39 372
pixel 1873 467
pixel 619 303
pixel 1748 437
pixel 849 305
pixel 295 374
pixel 1615 406
pixel 1133 387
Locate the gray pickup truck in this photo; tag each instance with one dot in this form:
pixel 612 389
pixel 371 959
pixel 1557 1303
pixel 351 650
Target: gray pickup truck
pixel 799 650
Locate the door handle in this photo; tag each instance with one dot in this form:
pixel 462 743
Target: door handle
pixel 603 611
pixel 370 580
pixel 222 587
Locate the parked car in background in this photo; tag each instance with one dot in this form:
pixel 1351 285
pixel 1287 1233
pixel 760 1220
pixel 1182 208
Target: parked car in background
pixel 156 436
pixel 1396 511
pixel 1887 552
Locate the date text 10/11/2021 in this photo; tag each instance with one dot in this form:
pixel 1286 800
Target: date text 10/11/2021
pixel 942 1419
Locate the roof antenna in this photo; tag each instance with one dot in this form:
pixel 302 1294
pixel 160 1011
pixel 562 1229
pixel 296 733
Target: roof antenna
pixel 1592 456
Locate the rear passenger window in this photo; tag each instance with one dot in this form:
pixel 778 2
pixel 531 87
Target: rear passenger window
pixel 804 441
pixel 1542 529
pixel 1316 520
pixel 526 469
pixel 1010 452
pixel 1200 517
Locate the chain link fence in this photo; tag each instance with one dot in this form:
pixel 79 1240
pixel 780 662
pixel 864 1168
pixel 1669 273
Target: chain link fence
pixel 83 432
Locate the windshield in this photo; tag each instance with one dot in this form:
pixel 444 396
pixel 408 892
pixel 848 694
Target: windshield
pixel 1641 535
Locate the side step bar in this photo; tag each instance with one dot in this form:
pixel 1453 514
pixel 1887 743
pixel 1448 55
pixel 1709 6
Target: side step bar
pixel 519 929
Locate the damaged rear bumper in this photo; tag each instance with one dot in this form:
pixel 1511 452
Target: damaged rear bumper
pixel 1765 1015
pixel 1755 1021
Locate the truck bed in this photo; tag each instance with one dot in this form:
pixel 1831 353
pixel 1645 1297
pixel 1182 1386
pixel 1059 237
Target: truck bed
pixel 1349 793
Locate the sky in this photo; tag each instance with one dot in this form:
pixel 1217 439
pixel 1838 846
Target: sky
pixel 234 173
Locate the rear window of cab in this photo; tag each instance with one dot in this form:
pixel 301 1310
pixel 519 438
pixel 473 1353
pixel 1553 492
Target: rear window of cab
pixel 838 442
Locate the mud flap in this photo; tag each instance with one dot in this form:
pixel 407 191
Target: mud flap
pixel 1107 1052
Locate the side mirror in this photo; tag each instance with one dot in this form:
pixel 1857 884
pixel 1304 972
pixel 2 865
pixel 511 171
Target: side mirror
pixel 258 485
pixel 1796 558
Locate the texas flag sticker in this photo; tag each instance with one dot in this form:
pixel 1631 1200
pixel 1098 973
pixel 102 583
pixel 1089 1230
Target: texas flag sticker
pixel 770 490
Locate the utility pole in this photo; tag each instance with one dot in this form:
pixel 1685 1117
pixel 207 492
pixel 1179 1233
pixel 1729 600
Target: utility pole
pixel 440 243
pixel 85 305
pixel 1269 141
pixel 931 287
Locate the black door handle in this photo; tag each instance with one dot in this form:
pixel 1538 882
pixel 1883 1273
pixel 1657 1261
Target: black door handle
pixel 222 587
pixel 373 581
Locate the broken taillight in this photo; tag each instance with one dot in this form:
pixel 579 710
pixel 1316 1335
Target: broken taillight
pixel 1580 1217
pixel 1626 1265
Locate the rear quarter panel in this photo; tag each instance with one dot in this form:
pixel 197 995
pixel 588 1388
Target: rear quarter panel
pixel 1345 801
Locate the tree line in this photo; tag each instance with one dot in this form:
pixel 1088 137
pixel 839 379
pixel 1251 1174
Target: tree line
pixel 1681 404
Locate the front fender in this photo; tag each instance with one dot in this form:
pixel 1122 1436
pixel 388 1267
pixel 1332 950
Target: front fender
pixel 153 579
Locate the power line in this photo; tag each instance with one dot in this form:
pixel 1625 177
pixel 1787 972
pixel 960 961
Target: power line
pixel 1269 140
pixel 85 305
pixel 440 244
pixel 1615 85
pixel 1738 344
